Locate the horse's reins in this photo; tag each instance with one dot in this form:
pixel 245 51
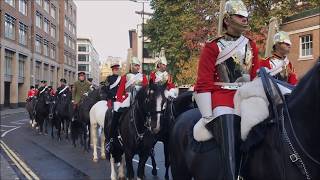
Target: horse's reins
pixel 294 156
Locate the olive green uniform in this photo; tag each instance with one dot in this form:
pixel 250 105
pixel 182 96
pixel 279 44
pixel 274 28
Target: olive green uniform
pixel 79 88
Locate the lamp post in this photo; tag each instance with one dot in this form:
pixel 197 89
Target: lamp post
pixel 142 25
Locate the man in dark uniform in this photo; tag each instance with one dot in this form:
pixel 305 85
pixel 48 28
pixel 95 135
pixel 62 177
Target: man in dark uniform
pixel 43 87
pixel 63 89
pixel 113 81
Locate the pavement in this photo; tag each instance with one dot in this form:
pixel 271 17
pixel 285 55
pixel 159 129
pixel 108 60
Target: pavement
pixel 12 111
pixel 7 172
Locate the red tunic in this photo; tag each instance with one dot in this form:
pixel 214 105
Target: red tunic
pixel 292 77
pixel 32 92
pixel 121 92
pixel 170 83
pixel 207 74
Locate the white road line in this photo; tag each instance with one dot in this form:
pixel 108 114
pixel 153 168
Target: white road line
pixel 2 135
pixel 7 125
pixel 134 160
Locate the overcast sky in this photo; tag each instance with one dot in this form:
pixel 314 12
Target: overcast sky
pixel 107 22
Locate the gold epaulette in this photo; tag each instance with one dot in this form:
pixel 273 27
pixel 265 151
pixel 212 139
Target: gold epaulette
pixel 211 39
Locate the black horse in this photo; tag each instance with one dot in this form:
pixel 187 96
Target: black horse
pixel 30 106
pixel 139 125
pixel 173 108
pixel 62 113
pixel 80 126
pixel 272 157
pixel 42 111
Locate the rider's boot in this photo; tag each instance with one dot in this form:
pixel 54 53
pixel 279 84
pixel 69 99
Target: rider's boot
pixel 226 130
pixel 113 130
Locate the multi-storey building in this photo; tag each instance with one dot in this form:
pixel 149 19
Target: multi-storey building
pixel 30 46
pixel 88 59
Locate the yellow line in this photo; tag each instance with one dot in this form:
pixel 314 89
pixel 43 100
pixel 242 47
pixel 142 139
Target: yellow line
pixel 19 162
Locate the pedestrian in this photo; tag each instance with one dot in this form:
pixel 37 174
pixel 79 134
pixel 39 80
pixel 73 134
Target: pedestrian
pixel 225 64
pixel 279 63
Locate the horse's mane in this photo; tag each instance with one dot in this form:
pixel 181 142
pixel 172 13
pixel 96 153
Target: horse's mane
pixel 309 83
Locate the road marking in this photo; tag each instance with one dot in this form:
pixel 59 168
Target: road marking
pixel 134 160
pixel 26 171
pixel 7 126
pixel 2 135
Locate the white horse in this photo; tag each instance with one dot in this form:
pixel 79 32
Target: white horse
pixel 97 117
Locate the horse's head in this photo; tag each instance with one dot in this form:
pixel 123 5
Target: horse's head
pixel 153 102
pixel 103 92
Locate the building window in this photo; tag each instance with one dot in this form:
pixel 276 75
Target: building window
pixel 11 2
pixel 53 51
pixel 65 40
pixel 65 22
pixel 83 57
pixel 38 43
pixel 46 5
pixel 69 43
pixel 53 11
pixel 23 33
pixel 38 19
pixel 83 67
pixel 82 48
pixel 21 65
pixel 70 27
pixel 23 6
pixel 53 31
pixel 38 2
pixel 65 57
pixel 65 5
pixel 306 45
pixel 45 47
pixel 8 62
pixel 46 25
pixel 9 27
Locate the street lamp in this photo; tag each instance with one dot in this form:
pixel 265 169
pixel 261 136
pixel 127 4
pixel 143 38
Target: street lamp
pixel 142 25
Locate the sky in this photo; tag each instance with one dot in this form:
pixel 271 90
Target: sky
pixel 107 23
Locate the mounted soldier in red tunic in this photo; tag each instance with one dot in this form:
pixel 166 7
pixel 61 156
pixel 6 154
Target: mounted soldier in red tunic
pixel 130 84
pixel 225 64
pixel 278 63
pixel 161 76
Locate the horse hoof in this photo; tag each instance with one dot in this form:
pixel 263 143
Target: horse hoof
pixel 122 178
pixel 154 172
pixel 103 156
pixel 95 160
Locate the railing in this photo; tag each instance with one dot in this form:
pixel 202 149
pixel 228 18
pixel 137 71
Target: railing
pixel 7 77
pixel 20 79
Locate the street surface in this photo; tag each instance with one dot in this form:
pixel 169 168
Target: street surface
pixel 45 158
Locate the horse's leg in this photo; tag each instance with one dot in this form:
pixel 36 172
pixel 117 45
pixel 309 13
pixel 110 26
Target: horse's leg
pixel 103 148
pixel 154 164
pixel 89 139
pixel 67 127
pixel 143 157
pixel 121 169
pixel 166 158
pixel 46 125
pixel 113 169
pixel 52 125
pixel 130 172
pixel 94 138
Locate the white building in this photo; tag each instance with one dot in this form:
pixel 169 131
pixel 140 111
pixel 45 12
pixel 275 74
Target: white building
pixel 88 59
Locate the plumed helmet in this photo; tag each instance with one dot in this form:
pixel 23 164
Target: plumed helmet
pixel 281 37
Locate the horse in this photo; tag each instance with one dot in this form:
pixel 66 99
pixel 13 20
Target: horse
pixel 30 106
pixel 267 158
pixel 80 126
pixel 42 111
pixel 138 126
pixel 173 108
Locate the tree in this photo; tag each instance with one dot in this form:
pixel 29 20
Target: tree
pixel 183 26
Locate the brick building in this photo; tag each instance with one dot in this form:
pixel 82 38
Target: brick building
pixel 304 32
pixel 37 42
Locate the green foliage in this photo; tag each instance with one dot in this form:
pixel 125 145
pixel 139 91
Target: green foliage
pixel 182 27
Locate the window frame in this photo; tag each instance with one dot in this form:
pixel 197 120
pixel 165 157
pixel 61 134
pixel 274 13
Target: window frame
pixel 9 27
pixel 24 10
pixel 23 32
pixel 305 53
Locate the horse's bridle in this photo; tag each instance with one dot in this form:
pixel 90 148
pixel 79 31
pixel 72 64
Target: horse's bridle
pixel 294 155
